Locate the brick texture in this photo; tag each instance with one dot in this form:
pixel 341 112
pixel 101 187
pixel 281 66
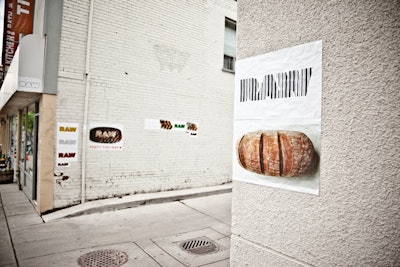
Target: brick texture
pixel 148 60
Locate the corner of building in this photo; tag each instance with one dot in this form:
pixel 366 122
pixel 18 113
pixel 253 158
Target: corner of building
pixel 47 111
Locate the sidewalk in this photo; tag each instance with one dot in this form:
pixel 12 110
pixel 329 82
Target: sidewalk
pixel 170 233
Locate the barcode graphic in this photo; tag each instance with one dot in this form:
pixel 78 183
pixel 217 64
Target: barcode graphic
pixel 280 85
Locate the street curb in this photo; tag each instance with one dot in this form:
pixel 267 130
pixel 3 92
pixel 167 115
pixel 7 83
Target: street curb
pixel 132 201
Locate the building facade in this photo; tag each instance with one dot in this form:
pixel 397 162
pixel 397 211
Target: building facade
pixel 354 218
pixel 140 101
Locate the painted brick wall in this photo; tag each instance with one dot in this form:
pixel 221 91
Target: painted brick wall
pixel 355 221
pixel 149 60
pixel 71 93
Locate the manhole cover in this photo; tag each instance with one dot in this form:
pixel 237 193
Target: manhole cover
pixel 199 245
pixel 103 258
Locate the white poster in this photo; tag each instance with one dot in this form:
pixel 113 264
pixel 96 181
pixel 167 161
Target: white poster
pixel 188 128
pixel 277 118
pixel 67 143
pixel 103 136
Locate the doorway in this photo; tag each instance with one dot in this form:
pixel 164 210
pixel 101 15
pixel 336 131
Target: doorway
pixel 29 140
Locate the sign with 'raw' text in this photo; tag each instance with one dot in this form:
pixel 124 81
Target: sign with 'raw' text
pixel 67 143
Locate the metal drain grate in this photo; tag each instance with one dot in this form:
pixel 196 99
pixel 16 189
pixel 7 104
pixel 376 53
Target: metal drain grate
pixel 103 258
pixel 199 245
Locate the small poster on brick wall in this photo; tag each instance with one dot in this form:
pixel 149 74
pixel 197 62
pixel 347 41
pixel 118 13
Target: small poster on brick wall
pixel 67 143
pixel 277 119
pixel 105 136
pixel 189 128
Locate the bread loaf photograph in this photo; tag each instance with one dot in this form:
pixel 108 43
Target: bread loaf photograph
pixel 277 153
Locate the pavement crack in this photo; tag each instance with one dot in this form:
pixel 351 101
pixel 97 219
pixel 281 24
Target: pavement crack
pixel 9 231
pixel 199 211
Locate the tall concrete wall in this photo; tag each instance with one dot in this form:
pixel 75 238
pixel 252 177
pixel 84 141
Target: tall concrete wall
pixel 148 60
pixel 355 221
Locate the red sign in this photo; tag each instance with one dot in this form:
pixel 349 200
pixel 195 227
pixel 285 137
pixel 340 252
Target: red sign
pixel 22 19
pixel 10 39
pixel 18 19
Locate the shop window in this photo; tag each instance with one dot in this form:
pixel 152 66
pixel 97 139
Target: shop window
pixel 13 141
pixel 28 151
pixel 30 139
pixel 230 45
pixel 23 137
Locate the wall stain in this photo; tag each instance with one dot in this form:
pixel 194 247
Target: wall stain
pixel 171 58
pixel 61 177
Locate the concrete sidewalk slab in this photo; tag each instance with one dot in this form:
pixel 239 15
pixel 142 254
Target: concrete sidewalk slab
pixel 211 210
pixel 162 257
pixel 171 244
pixel 138 232
pixel 8 188
pixel 69 238
pixel 7 258
pixel 19 209
pixel 14 197
pixel 23 220
pixel 135 200
pixel 136 257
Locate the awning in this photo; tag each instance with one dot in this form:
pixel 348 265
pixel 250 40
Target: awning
pixel 24 80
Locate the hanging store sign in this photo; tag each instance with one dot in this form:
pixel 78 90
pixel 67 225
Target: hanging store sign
pixel 277 119
pixel 106 137
pixel 22 21
pixel 67 143
pixel 10 38
pixel 18 19
pixel 188 128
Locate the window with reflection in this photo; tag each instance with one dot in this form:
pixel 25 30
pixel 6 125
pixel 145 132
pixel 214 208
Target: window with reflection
pixel 30 141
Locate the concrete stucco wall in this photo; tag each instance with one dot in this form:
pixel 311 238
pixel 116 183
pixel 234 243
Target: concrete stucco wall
pixel 45 156
pixel 355 221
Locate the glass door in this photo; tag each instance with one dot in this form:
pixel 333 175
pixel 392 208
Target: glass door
pixel 29 138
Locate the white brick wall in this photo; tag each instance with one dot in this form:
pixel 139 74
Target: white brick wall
pixel 149 60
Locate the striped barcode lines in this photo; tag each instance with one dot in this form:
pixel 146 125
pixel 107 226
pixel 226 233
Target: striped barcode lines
pixel 293 83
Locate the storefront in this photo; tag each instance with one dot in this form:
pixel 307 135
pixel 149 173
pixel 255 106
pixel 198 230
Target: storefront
pixel 22 99
pixel 8 146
